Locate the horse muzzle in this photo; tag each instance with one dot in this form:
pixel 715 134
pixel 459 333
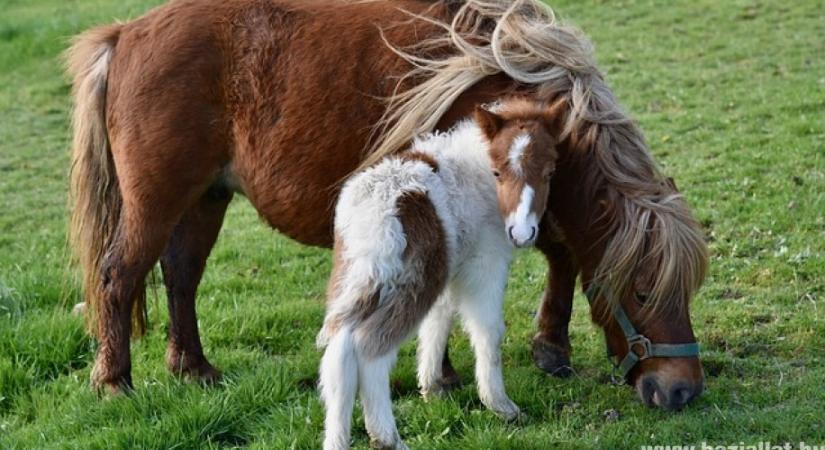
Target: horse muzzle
pixel 522 235
pixel 668 392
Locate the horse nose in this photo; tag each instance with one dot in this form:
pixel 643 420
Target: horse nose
pixel 680 394
pixel 671 398
pixel 519 237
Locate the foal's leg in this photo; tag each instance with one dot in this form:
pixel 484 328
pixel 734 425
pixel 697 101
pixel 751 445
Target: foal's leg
pixel 374 384
pixel 481 308
pixel 432 346
pixel 338 382
pixel 551 345
pixel 183 262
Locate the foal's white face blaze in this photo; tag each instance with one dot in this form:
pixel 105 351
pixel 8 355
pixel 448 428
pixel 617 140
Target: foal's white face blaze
pixel 523 156
pixel 514 157
pixel 522 224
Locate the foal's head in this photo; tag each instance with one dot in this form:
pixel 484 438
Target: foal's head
pixel 523 154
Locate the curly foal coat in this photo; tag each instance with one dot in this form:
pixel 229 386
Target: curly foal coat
pixel 419 237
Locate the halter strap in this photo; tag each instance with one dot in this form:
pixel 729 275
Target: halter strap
pixel 639 347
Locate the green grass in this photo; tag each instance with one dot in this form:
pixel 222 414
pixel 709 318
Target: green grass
pixel 732 98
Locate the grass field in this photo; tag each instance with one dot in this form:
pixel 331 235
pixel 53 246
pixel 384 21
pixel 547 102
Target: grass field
pixel 732 97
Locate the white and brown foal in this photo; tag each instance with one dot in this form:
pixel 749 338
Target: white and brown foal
pixel 419 237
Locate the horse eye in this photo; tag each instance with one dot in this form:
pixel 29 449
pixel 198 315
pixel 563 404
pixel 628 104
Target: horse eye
pixel 496 173
pixel 641 297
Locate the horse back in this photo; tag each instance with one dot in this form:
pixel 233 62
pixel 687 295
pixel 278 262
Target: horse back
pixel 308 83
pixel 278 96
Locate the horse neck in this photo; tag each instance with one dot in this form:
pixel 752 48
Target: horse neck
pixel 577 215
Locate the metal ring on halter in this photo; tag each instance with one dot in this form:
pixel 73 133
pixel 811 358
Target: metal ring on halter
pixel 639 347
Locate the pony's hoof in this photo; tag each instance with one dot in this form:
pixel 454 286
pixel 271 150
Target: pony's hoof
pixel 204 374
pixel 111 390
pixel 196 369
pixel 551 358
pixel 108 388
pixel 108 379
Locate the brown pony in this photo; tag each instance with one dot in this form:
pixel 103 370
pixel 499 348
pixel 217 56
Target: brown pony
pixel 279 100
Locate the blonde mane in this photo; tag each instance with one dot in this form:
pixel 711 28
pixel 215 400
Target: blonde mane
pixel 649 221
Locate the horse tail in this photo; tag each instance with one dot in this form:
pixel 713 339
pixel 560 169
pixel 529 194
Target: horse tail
pixel 94 195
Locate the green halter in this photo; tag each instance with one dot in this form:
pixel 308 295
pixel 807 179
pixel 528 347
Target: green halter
pixel 639 347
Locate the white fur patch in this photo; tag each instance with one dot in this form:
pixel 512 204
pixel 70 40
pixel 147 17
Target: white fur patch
pixel 522 224
pixel 516 152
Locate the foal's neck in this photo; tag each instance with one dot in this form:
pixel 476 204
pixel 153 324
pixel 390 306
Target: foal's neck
pixel 463 147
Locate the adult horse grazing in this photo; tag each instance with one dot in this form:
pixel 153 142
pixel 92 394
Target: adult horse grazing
pixel 279 100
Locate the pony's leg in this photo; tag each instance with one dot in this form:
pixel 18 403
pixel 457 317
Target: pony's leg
pixel 481 310
pixel 135 248
pixel 374 385
pixel 338 383
pixel 183 262
pixel 551 344
pixel 432 346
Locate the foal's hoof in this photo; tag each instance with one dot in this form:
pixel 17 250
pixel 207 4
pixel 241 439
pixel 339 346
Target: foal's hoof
pixel 551 358
pixel 398 444
pixel 192 368
pixel 79 309
pixel 506 410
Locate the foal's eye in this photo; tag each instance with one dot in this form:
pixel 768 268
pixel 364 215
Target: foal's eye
pixel 496 173
pixel 641 297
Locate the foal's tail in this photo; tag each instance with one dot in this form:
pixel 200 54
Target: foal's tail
pixel 94 198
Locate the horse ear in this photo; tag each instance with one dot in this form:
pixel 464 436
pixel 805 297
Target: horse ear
pixel 489 122
pixel 672 184
pixel 551 115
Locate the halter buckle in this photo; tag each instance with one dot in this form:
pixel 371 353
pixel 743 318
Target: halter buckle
pixel 641 342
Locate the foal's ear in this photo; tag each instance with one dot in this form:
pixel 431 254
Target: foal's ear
pixel 552 114
pixel 489 122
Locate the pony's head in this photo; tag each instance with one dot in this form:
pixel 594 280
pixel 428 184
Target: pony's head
pixel 523 157
pixel 641 254
pixel 639 280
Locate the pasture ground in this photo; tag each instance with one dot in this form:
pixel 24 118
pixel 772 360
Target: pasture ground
pixel 732 98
